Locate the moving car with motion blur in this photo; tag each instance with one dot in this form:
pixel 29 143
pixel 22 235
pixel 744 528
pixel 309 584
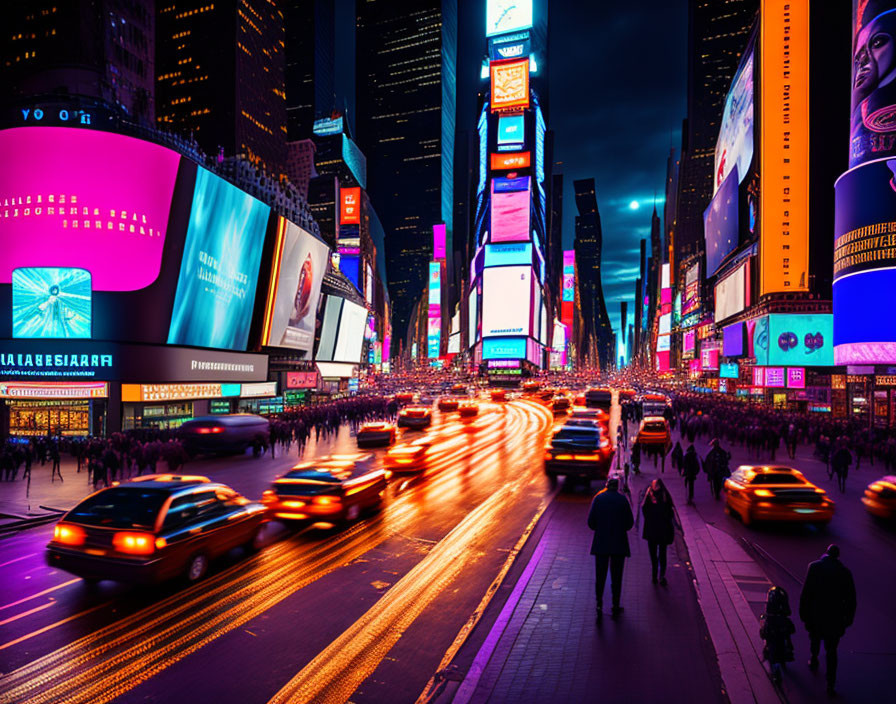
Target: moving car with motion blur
pixel 531 387
pixel 880 497
pixel 560 404
pixel 376 434
pixel 157 528
pixel 460 389
pixel 415 417
pixel 408 457
pixel 498 395
pixel 597 414
pixel 599 398
pixel 331 490
pixel 577 451
pixel 627 395
pixel 226 433
pixel 654 430
pixel 468 409
pixel 448 404
pixel 654 405
pixel 775 493
pixel 404 397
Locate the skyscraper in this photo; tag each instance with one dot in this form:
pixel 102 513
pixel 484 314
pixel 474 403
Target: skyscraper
pixel 310 64
pixel 220 76
pixel 717 36
pixel 588 244
pixel 406 87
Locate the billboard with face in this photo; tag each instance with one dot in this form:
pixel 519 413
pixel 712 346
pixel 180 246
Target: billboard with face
pixel 873 105
pixel 298 268
pixel 85 199
pixel 219 269
pixel 734 148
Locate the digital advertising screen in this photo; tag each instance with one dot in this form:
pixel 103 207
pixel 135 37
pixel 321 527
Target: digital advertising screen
pixel 691 298
pixel 730 293
pixel 435 289
pixel 865 264
pixel 51 302
pixel 505 161
pixel 709 359
pixel 511 129
pixel 472 317
pixel 774 377
pixel 350 266
pixel 515 254
pixel 510 185
pixel 509 85
pixel 504 348
pixel 665 324
pixel 796 378
pixel 688 340
pixel 85 199
pixel 438 241
pixel 720 224
pixel 794 339
pixel 873 105
pixel 503 16
pixel 219 269
pixel 662 361
pixel 729 370
pixel 350 206
pixel 784 146
pixel 433 337
pixel 509 216
pixel 733 340
pixel 506 298
pixel 734 147
pixel 300 261
pixel 329 329
pixel 351 333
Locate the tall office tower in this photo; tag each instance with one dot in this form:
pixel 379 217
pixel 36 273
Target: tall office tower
pixel 406 86
pixel 220 77
pixel 588 243
pixel 717 36
pixel 623 325
pixel 555 242
pixel 89 53
pixel 310 64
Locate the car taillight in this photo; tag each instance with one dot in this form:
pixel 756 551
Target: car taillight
pixel 268 496
pixel 134 543
pixel 763 492
pixel 325 500
pixel 68 535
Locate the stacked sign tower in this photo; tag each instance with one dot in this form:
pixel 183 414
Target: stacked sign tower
pixel 508 314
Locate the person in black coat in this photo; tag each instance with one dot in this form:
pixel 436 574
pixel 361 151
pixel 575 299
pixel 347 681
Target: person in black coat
pixel 610 518
pixel 827 608
pixel 691 470
pixel 659 526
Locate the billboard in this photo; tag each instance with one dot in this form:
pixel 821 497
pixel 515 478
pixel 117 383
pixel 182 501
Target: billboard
pixel 720 224
pixel 518 253
pixel 51 302
pixel 511 129
pixel 219 269
pixel 350 206
pixel 438 241
pixel 873 105
pixel 510 160
pixel 731 293
pixel 510 215
pixel 472 317
pixel 734 147
pixel 85 199
pixel 433 337
pixel 504 348
pixel 503 16
pixel 729 370
pixel 301 380
pixel 510 185
pixel 297 271
pixel 506 298
pixel 733 340
pixel 865 264
pixel 435 289
pixel 794 339
pixel 784 146
pixel 688 340
pixel 796 378
pixel 709 359
pixel 691 298
pixel 342 333
pixel 509 85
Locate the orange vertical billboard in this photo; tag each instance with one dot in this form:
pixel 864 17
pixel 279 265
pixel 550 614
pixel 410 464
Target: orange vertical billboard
pixel 784 145
pixel 350 212
pixel 510 84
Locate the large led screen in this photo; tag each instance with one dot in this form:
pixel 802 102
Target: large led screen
pixel 731 294
pixel 51 302
pixel 502 16
pixel 298 268
pixel 511 129
pixel 85 199
pixel 504 348
pixel 506 297
pixel 720 224
pixel 872 128
pixel 350 206
pixel 798 340
pixel 734 148
pixel 219 269
pixel 510 215
pixel 518 253
pixel 351 333
pixel 691 299
pixel 733 340
pixel 510 84
pixel 329 329
pixel 865 264
pixel 784 146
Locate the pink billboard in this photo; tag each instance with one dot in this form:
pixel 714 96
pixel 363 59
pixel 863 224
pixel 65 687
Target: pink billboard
pixel 709 359
pixel 689 339
pixel 774 377
pixel 86 199
pixel 438 242
pixel 796 377
pixel 510 216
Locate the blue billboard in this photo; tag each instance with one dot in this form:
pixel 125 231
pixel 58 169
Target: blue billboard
pixel 51 302
pixel 729 370
pixel 511 129
pixel 508 254
pixel 720 223
pixel 504 348
pixel 794 340
pixel 219 269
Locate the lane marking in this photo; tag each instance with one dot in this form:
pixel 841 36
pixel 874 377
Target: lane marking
pixel 19 559
pixel 52 626
pixel 27 613
pixel 45 591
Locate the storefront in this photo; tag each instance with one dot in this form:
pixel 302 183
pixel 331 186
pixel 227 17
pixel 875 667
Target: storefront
pixel 54 408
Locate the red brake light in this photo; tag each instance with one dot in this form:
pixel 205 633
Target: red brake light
pixel 134 543
pixel 68 534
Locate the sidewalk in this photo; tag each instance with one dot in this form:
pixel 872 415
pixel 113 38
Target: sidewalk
pixel 22 499
pixel 539 641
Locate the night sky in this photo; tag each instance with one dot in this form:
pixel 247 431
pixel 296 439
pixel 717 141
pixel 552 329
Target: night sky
pixel 618 79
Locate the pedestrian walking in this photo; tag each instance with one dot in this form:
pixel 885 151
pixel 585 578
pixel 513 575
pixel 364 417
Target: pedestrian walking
pixel 659 527
pixel 716 467
pixel 691 470
pixel 678 457
pixel 54 456
pixel 636 458
pixel 840 465
pixel 610 518
pixel 827 608
pixel 776 629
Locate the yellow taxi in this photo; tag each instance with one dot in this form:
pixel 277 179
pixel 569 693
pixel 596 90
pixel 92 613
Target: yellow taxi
pixel 468 409
pixel 448 404
pixel 654 430
pixel 498 395
pixel 415 417
pixel 408 457
pixel 775 493
pixel 880 497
